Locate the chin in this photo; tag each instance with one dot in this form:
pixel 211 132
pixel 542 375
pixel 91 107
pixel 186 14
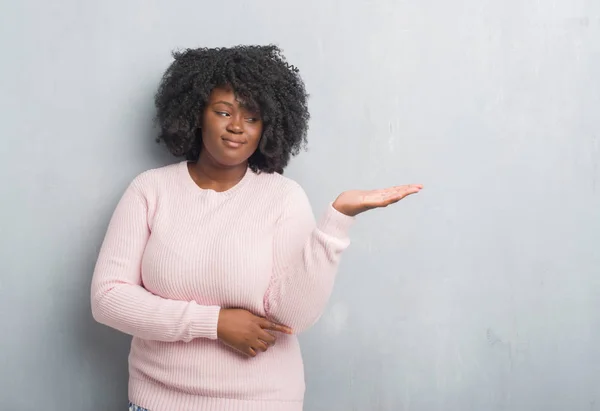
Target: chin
pixel 227 161
pixel 228 158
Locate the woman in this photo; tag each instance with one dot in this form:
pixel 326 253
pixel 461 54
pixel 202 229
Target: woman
pixel 216 263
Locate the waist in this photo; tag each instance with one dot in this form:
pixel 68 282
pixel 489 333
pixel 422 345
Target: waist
pixel 158 398
pixel 210 369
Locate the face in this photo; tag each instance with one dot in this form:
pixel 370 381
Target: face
pixel 230 132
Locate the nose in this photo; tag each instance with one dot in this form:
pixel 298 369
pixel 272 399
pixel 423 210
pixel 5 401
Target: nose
pixel 235 125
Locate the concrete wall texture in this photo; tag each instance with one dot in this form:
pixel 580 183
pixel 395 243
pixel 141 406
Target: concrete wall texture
pixel 481 294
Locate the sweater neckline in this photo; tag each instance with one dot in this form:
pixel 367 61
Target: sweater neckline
pixel 191 184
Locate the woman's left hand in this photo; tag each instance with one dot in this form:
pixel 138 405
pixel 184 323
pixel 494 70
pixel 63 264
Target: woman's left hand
pixel 354 202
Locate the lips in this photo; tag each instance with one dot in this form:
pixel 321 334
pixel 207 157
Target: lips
pixel 233 143
pixel 233 140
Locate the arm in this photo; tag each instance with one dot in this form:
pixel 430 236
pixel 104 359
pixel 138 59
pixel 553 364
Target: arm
pixel 118 298
pixel 306 257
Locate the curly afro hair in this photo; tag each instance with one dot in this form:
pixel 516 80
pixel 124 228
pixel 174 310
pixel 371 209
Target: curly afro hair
pixel 259 76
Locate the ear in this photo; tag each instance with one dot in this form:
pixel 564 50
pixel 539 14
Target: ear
pixel 200 118
pixel 198 136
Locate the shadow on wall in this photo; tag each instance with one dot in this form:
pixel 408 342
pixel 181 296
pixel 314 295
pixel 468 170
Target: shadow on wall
pixel 103 350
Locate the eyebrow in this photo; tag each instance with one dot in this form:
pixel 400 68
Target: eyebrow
pixel 255 111
pixel 223 102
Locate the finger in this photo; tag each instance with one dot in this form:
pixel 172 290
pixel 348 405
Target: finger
pixel 397 188
pixel 270 325
pixel 267 337
pixel 417 186
pixel 403 191
pixel 408 188
pixel 393 192
pixel 260 346
pixel 394 197
pixel 250 352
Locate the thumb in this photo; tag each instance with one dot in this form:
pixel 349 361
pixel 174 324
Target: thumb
pixel 273 326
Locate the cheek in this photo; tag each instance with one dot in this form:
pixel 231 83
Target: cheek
pixel 211 133
pixel 210 126
pixel 253 145
pixel 255 134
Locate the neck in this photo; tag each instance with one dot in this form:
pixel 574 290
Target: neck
pixel 210 175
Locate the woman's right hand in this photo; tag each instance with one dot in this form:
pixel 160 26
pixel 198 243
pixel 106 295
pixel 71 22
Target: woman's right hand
pixel 246 332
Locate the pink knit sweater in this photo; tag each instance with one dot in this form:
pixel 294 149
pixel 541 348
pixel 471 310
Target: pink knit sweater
pixel 175 254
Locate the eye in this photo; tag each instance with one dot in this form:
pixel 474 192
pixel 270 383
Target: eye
pixel 222 113
pixel 252 120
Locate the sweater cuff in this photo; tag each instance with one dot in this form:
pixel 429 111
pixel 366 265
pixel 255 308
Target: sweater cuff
pixel 205 322
pixel 335 223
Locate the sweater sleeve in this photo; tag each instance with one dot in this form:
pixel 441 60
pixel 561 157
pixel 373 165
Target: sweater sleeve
pixel 118 297
pixel 306 258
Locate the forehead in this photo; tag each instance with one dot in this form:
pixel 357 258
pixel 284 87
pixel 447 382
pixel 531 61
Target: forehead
pixel 227 95
pixel 223 93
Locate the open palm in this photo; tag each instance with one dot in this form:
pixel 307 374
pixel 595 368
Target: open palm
pixel 354 202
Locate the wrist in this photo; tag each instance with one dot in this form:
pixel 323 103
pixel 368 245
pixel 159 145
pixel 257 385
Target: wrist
pixel 205 322
pixel 221 319
pixel 341 208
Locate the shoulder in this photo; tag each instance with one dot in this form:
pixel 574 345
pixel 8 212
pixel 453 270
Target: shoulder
pixel 285 196
pixel 157 179
pixel 279 187
pixel 149 186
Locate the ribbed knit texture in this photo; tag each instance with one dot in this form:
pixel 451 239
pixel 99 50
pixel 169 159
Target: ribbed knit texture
pixel 175 254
